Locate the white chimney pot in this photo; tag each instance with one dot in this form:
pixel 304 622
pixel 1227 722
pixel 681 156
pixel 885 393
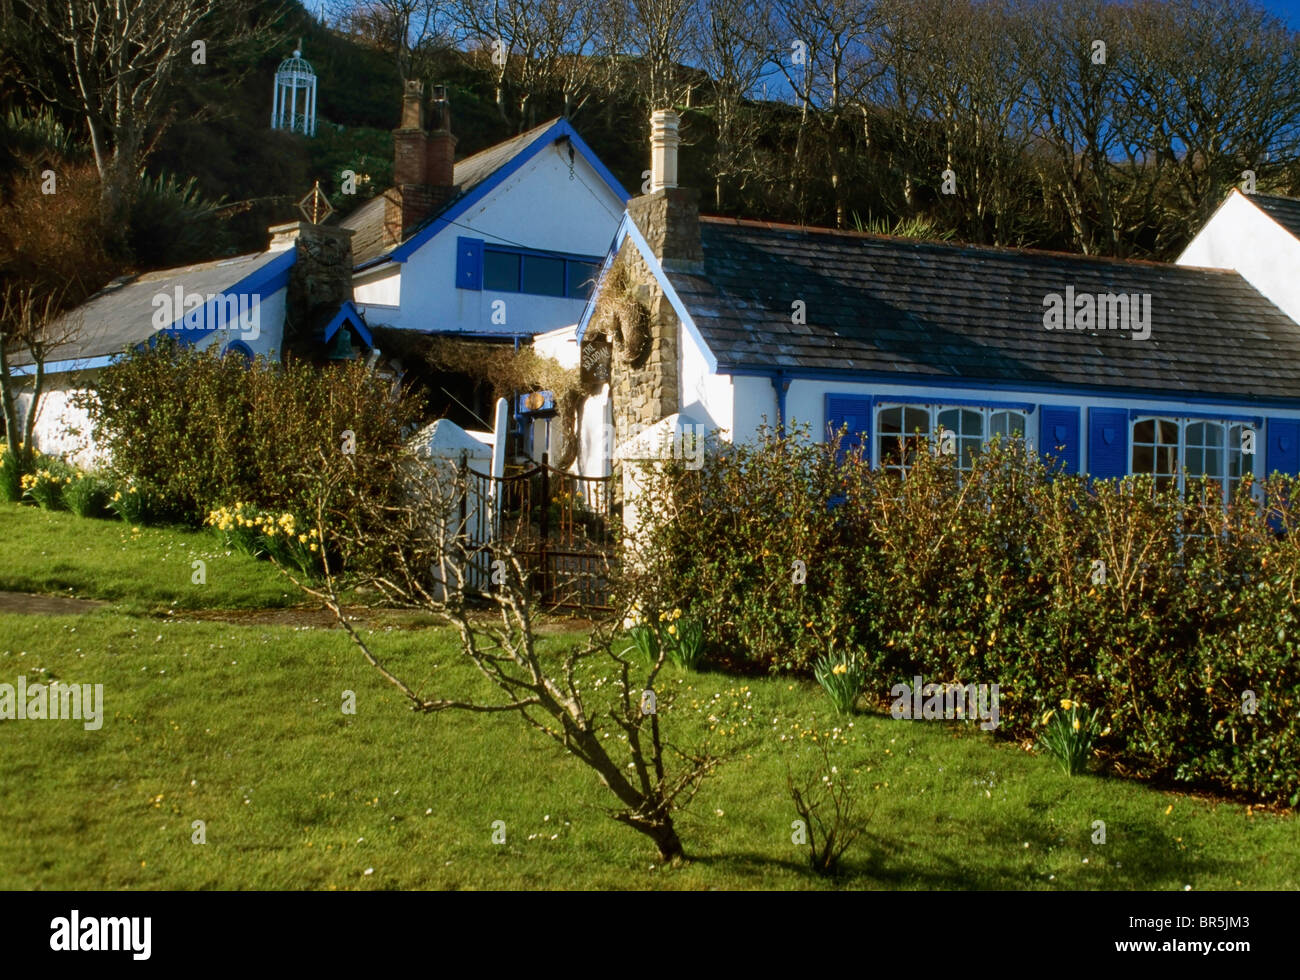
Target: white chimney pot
pixel 664 140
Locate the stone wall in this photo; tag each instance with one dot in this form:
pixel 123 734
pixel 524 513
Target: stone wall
pixel 321 279
pixel 644 393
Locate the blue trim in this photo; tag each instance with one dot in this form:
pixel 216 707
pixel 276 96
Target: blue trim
pixel 469 263
pixel 239 347
pixel 1058 436
pixel 1026 407
pixel 1255 420
pixel 348 314
pixel 944 381
pixel 1108 452
pixel 1282 450
pixel 857 413
pixel 465 202
pixel 620 233
pixel 60 367
pixel 264 281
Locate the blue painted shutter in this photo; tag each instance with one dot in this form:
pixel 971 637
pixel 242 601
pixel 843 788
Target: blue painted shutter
pixel 1283 447
pixel 1058 435
pixel 1107 443
pixel 469 263
pixel 853 411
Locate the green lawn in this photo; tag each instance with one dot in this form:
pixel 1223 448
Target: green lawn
pixel 241 727
pixel 143 570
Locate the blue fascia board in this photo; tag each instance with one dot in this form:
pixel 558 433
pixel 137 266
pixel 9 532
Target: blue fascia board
pixel 628 229
pixel 348 313
pixel 931 381
pixel 615 244
pixel 60 367
pixel 460 205
pixel 264 281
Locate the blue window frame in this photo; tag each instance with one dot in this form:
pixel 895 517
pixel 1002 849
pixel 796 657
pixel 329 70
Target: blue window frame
pixel 516 270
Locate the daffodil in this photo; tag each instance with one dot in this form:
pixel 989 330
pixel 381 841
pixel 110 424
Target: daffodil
pixel 1047 717
pixel 1067 704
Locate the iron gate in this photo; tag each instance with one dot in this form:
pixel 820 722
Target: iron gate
pixel 564 529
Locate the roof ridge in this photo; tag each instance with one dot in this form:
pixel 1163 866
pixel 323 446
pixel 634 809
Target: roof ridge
pixel 959 246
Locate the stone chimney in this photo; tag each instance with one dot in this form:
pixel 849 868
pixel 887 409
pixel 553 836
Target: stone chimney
pixel 668 216
pixel 319 282
pixel 423 164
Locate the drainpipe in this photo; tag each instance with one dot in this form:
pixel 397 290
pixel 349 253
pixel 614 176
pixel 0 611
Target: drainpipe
pixel 781 383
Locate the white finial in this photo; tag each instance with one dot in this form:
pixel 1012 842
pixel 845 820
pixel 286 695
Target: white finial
pixel 297 52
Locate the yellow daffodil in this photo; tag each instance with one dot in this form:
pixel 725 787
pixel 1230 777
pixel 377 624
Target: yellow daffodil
pixel 1076 724
pixel 1066 704
pixel 1047 717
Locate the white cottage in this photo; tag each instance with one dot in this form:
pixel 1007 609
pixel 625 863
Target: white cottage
pixel 503 245
pixel 245 306
pixel 1112 367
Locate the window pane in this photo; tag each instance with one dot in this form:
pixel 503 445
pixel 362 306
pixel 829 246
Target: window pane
pixel 900 432
pixel 582 278
pixel 543 277
pixel 968 427
pixel 1008 425
pixel 1144 431
pixel 500 271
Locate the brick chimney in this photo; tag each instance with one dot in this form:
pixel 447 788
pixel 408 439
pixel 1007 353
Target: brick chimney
pixel 668 216
pixel 441 156
pixel 423 164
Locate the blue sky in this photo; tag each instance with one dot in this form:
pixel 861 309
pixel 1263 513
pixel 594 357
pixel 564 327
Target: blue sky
pixel 1289 10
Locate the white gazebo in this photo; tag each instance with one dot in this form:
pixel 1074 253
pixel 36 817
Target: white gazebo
pixel 294 107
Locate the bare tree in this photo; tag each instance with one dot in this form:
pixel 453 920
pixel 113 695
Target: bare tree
pixel 825 51
pixel 115 64
pixel 730 46
pixel 412 31
pixel 30 329
pixel 426 561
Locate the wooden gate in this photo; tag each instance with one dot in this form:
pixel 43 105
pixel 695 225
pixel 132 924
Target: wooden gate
pixel 564 529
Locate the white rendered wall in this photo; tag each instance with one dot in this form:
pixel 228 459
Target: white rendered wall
pixel 536 207
pixel 1241 237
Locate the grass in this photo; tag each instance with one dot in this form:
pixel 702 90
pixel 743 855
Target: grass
pixel 241 727
pixel 141 569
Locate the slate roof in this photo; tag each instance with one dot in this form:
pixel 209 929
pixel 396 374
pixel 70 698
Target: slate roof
pixel 1284 210
pixel 121 314
pixel 933 311
pixel 368 220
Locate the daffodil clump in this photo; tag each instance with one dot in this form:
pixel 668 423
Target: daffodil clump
pixel 257 532
pixel 1068 735
pixel 842 678
pixel 45 487
pixel 128 503
pixel 681 637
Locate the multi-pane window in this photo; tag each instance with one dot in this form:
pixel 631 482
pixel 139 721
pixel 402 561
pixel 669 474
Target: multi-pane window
pixel 902 429
pixel 1183 452
pixel 509 271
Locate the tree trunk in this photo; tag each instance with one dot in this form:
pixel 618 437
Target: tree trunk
pixel 670 846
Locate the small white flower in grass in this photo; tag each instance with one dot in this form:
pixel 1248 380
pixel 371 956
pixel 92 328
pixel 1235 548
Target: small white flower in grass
pixel 369 871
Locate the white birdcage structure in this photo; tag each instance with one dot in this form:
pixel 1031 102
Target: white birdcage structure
pixel 294 108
